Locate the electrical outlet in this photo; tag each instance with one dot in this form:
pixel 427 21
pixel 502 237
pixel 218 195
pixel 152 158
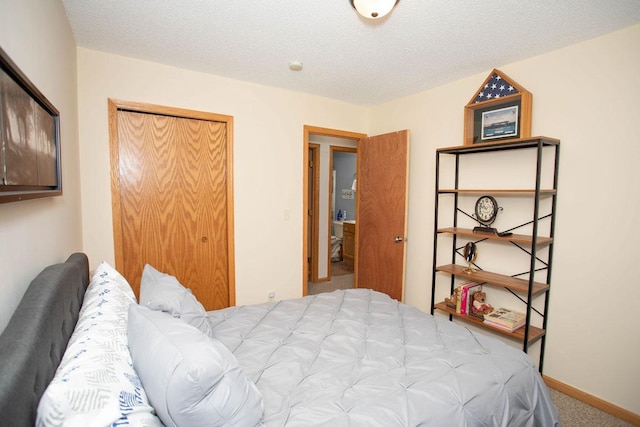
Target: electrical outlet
pixel 272 295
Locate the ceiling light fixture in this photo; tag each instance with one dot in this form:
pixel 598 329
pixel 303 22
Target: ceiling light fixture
pixel 373 9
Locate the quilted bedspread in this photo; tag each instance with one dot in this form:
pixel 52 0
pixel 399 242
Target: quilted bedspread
pixel 359 358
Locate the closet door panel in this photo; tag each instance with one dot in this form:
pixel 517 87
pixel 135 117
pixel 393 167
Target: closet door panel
pixel 173 202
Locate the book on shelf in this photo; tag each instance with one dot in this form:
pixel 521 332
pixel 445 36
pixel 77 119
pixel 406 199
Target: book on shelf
pixel 467 289
pixel 502 327
pixel 458 300
pixel 504 318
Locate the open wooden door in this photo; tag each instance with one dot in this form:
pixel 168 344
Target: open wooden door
pixel 383 164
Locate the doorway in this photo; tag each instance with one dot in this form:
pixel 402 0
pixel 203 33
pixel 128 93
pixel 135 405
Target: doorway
pixel 331 195
pixel 342 214
pixel 318 205
pixel 379 234
pixel 332 202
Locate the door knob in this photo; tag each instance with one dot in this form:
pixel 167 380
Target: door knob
pixel 399 239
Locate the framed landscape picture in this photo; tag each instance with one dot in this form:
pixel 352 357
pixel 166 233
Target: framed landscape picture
pixel 500 123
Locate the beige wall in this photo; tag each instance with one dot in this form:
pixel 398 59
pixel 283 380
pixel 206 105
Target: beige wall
pixel 579 92
pixel 35 233
pixel 587 96
pixel 268 150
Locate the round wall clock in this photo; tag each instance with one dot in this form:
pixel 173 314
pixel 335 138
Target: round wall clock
pixel 486 210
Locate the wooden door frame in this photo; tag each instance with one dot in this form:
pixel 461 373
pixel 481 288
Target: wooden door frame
pixel 113 107
pixel 313 211
pixel 307 132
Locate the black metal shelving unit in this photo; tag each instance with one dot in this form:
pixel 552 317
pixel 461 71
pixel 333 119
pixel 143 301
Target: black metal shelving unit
pixel 522 289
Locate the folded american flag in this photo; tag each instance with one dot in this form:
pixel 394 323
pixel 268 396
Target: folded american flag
pixel 496 87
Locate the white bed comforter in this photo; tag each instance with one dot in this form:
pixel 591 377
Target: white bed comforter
pixel 359 358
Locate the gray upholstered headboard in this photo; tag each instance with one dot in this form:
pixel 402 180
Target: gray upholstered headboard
pixel 36 337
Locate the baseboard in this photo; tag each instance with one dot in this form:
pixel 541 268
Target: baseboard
pixel 603 405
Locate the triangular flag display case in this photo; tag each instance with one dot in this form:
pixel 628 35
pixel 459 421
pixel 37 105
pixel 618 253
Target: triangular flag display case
pixel 500 109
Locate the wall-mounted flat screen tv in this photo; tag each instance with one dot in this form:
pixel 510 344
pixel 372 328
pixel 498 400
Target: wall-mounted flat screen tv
pixel 29 138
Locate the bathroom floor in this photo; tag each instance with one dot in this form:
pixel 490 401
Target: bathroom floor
pixel 340 268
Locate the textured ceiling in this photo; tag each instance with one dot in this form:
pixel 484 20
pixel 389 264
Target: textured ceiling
pixel 420 45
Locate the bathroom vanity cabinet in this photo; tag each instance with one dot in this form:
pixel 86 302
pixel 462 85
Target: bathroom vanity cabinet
pixel 348 242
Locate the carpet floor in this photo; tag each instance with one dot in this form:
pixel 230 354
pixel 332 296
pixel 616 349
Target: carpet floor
pixel 344 281
pixel 340 268
pixel 574 413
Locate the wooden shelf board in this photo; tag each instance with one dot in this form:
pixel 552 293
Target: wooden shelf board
pixel 513 283
pixel 511 192
pixel 535 333
pixel 516 238
pixel 508 144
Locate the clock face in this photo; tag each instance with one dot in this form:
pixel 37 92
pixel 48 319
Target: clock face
pixel 486 209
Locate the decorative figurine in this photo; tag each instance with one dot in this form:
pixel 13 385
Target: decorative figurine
pixel 453 300
pixel 470 255
pixel 479 306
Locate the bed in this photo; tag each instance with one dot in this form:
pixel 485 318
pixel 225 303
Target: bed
pixel 346 358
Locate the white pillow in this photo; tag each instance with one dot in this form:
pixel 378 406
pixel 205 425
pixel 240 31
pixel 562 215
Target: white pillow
pixel 162 292
pixel 191 379
pixel 95 384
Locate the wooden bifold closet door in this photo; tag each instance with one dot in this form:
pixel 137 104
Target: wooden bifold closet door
pixel 172 197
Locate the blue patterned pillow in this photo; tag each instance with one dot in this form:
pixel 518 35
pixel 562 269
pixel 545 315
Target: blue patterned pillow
pixel 95 384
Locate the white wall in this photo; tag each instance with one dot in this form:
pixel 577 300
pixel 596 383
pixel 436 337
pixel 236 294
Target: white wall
pixel 37 37
pixel 268 153
pixel 587 96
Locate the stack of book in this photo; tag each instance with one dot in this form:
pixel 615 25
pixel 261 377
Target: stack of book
pixel 465 296
pixel 505 319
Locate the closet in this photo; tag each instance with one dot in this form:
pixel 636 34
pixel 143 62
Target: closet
pixel 172 193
